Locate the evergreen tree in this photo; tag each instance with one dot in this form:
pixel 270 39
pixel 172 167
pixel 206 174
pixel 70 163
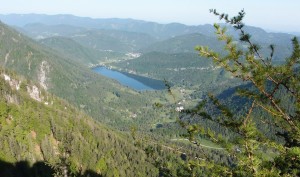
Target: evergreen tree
pixel 276 92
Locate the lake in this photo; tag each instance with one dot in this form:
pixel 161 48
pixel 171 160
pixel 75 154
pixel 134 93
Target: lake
pixel 133 81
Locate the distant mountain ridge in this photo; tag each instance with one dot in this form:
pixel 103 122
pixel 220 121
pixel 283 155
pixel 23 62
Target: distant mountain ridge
pixel 66 78
pixel 66 24
pixel 128 24
pixel 155 29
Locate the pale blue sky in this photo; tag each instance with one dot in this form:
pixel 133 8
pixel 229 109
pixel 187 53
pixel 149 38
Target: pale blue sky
pixel 277 15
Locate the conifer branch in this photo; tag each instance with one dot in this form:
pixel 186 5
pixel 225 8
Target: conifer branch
pixel 269 81
pixel 249 113
pixel 236 22
pixel 268 110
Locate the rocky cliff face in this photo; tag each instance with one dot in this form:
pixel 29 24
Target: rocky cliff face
pixel 42 75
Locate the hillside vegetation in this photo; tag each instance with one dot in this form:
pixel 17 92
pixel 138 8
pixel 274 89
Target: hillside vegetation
pixel 104 99
pixel 76 52
pixel 37 126
pixel 58 115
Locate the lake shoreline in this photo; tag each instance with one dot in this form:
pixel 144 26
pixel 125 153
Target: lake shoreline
pixel 138 83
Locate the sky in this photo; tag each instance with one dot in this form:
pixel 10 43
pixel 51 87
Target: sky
pixel 272 15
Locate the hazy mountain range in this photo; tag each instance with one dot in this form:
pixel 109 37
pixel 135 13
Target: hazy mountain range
pixel 53 104
pixel 126 34
pixel 155 29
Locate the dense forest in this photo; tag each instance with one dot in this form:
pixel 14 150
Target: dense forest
pixel 229 105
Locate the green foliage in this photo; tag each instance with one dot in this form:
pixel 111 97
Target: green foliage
pixel 225 141
pixel 289 162
pixel 4 109
pixel 65 138
pixel 180 69
pixel 76 52
pixel 183 44
pixel 101 166
pixel 113 40
pixel 273 85
pixel 74 81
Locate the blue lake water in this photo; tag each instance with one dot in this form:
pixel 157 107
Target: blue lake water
pixel 135 82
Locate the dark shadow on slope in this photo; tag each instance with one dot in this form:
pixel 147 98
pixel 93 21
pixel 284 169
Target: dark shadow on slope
pixel 231 92
pixel 39 169
pixel 235 102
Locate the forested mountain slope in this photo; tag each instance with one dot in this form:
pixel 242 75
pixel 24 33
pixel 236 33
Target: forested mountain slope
pixel 100 39
pixel 36 126
pixel 113 40
pixel 181 69
pixel 104 99
pixel 183 43
pixel 71 49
